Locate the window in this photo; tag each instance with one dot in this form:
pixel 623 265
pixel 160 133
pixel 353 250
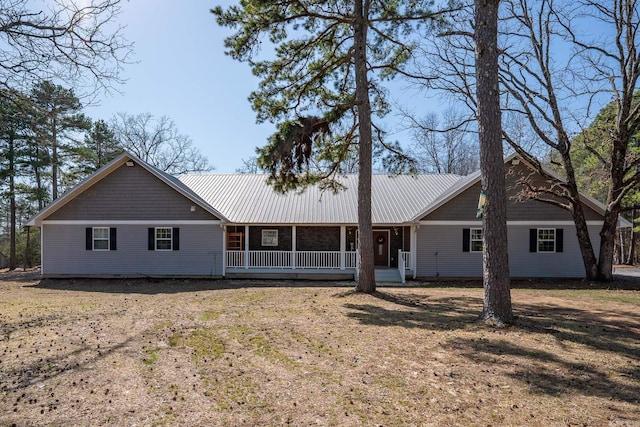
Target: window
pixel 164 239
pixel 546 240
pixel 269 237
pixel 472 240
pixel 235 241
pixel 476 239
pixel 100 238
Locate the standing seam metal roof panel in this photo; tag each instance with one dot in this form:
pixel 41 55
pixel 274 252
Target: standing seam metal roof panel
pixel 245 198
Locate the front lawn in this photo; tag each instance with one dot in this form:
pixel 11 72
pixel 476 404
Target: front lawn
pixel 246 353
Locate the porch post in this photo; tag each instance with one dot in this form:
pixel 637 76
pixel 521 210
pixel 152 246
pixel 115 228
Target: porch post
pixel 343 245
pixel 224 249
pixel 246 247
pixel 414 246
pixel 293 247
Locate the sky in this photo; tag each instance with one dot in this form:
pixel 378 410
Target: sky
pixel 181 72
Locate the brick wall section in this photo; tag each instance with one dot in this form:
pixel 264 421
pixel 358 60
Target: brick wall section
pixel 284 238
pixel 318 238
pixel 323 239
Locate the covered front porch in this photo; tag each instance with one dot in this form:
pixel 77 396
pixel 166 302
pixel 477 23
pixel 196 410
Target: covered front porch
pixel 313 252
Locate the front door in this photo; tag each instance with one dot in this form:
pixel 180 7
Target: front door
pixel 381 248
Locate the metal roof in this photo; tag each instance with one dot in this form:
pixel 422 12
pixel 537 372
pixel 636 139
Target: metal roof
pixel 246 198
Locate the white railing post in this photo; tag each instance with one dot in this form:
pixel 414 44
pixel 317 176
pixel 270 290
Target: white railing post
pixel 294 248
pixel 343 245
pixel 246 247
pixel 402 265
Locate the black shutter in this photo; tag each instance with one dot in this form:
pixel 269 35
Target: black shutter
pixel 533 240
pixel 466 239
pixel 559 240
pixel 176 239
pixel 112 239
pixel 88 234
pixel 152 239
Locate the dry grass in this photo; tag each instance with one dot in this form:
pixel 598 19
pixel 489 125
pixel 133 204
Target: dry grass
pixel 200 353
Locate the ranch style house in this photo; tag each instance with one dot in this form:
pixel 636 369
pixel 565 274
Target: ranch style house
pixel 130 219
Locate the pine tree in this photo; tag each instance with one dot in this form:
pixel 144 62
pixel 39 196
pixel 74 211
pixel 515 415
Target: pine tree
pixel 495 261
pixel 323 88
pixel 58 115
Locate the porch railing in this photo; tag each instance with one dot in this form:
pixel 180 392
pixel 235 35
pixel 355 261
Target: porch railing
pixel 283 259
pixel 403 258
pixel 318 259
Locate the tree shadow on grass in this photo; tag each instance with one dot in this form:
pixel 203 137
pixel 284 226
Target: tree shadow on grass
pixel 153 286
pixel 544 372
pixel 600 332
pixel 418 311
pixel 629 283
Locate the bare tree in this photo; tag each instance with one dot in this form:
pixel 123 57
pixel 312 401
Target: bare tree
pixel 444 144
pixel 249 166
pixel 76 42
pixel 553 72
pixel 159 143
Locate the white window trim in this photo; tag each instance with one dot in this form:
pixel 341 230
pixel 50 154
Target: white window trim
pixel 94 238
pixel 270 241
pixel 471 240
pixel 538 240
pixel 163 239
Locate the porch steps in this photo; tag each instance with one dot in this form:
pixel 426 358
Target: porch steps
pixel 388 275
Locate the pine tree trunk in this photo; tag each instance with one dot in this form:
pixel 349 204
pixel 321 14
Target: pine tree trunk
pixel 54 162
pixel 12 206
pixel 495 263
pixel 366 267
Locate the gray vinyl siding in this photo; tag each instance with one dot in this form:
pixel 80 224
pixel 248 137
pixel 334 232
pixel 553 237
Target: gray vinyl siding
pixel 463 207
pixel 451 261
pixel 567 263
pixel 64 252
pixel 439 253
pixel 130 193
